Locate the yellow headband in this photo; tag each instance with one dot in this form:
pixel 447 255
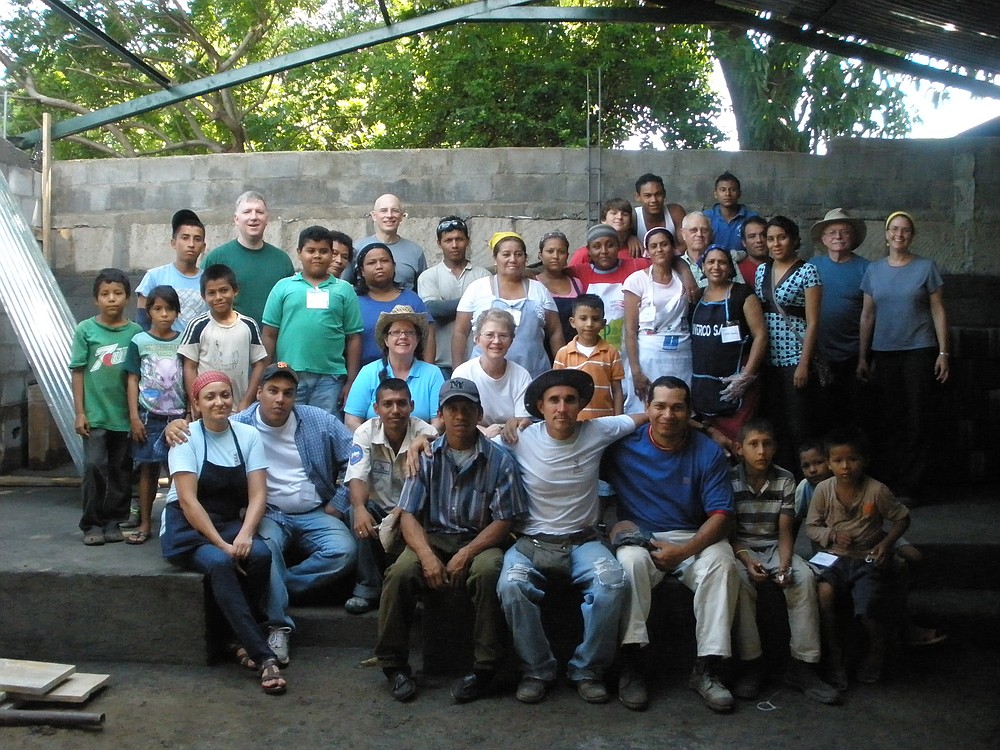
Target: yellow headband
pixel 497 236
pixel 894 214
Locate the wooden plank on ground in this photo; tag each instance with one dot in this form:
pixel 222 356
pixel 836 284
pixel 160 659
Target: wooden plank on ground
pixel 77 689
pixel 32 677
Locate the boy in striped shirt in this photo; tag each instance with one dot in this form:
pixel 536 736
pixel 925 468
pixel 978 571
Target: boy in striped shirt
pixel 763 542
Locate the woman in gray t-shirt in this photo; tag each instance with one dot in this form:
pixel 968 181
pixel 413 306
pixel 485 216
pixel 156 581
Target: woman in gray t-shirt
pixel 904 330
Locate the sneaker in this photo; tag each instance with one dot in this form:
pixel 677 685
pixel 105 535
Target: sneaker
pixel 277 639
pixel 706 683
pixel 358 605
pixel 471 687
pixel 750 680
pixel 800 675
pixel 531 690
pixel 403 686
pixel 592 691
pixel 632 690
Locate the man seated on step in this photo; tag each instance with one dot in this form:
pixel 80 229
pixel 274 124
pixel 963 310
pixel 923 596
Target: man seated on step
pixel 306 448
pixel 375 475
pixel 674 492
pixel 456 516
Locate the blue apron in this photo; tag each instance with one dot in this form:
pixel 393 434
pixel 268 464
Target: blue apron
pixel 528 348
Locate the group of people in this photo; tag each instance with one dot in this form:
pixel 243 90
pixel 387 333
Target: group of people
pixel 439 427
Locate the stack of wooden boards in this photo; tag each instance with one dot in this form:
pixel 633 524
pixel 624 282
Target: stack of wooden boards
pixel 25 682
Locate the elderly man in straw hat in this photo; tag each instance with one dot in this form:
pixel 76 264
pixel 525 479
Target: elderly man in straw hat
pixel 840 270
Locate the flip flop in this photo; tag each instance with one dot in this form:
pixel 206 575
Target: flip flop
pixel 137 537
pixel 927 637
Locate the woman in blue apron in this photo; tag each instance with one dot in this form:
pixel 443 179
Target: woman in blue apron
pixel 528 302
pixel 728 345
pixel 218 476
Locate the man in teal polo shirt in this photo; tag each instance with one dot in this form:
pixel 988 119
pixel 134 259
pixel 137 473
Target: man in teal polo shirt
pixel 258 265
pixel 312 322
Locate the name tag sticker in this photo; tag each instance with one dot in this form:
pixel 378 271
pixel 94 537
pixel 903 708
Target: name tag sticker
pixel 670 343
pixel 730 334
pixel 318 299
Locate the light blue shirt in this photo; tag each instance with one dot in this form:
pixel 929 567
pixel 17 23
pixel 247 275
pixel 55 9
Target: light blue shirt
pixel 424 380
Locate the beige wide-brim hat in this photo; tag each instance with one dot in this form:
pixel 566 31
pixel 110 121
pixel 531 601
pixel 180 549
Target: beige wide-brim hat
pixel 399 312
pixel 840 216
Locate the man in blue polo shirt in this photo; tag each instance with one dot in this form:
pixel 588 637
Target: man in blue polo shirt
pixel 673 485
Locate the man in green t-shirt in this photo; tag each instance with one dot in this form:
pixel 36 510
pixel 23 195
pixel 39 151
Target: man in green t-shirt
pixel 258 265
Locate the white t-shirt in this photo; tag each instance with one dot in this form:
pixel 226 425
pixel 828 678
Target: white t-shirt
pixel 479 297
pixel 560 476
pixel 662 307
pixel 503 398
pixel 288 486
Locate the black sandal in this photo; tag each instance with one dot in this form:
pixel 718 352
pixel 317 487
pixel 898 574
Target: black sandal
pixel 243 657
pixel 271 681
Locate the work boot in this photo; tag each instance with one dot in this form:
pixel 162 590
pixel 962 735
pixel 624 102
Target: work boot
pixel 801 675
pixel 705 681
pixel 632 690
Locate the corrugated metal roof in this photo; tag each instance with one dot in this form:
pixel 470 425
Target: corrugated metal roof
pixel 965 33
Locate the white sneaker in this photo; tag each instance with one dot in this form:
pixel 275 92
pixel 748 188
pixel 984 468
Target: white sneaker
pixel 277 639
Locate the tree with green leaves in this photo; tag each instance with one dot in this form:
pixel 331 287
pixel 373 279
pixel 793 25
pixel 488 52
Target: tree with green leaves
pixel 792 98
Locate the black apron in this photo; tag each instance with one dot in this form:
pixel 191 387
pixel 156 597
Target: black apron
pixel 223 493
pixel 714 360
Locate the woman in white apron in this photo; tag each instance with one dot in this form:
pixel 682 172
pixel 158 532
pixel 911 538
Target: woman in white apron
pixel 656 334
pixel 527 301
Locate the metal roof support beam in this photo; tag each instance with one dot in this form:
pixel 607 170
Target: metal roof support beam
pixel 112 44
pixel 184 91
pixel 709 13
pixel 508 11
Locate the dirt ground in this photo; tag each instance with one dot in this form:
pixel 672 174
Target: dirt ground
pixel 938 698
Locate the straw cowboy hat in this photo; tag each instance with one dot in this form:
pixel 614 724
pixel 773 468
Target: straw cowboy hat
pixel 840 216
pixel 399 312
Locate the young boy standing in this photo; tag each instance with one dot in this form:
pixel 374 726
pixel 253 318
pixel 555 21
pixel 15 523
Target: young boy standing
pixel 223 340
pixel 188 242
pixel 155 396
pixel 846 517
pixel 97 360
pixel 763 542
pixel 312 322
pixel 595 356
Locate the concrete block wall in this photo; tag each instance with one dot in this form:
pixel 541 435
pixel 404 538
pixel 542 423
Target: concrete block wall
pixel 26 186
pixel 116 212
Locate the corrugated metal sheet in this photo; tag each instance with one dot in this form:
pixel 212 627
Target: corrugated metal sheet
pixel 39 314
pixel 963 33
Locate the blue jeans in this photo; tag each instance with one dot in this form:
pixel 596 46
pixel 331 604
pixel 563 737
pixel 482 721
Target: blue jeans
pixel 372 559
pixel 236 595
pixel 321 391
pixel 595 571
pixel 330 550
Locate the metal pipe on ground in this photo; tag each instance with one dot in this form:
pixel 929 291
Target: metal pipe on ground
pixel 15 717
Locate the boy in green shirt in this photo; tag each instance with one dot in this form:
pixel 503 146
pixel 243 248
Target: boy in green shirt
pixel 97 360
pixel 312 322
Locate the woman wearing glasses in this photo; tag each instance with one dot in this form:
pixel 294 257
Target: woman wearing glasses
pixel 400 334
pixel 501 383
